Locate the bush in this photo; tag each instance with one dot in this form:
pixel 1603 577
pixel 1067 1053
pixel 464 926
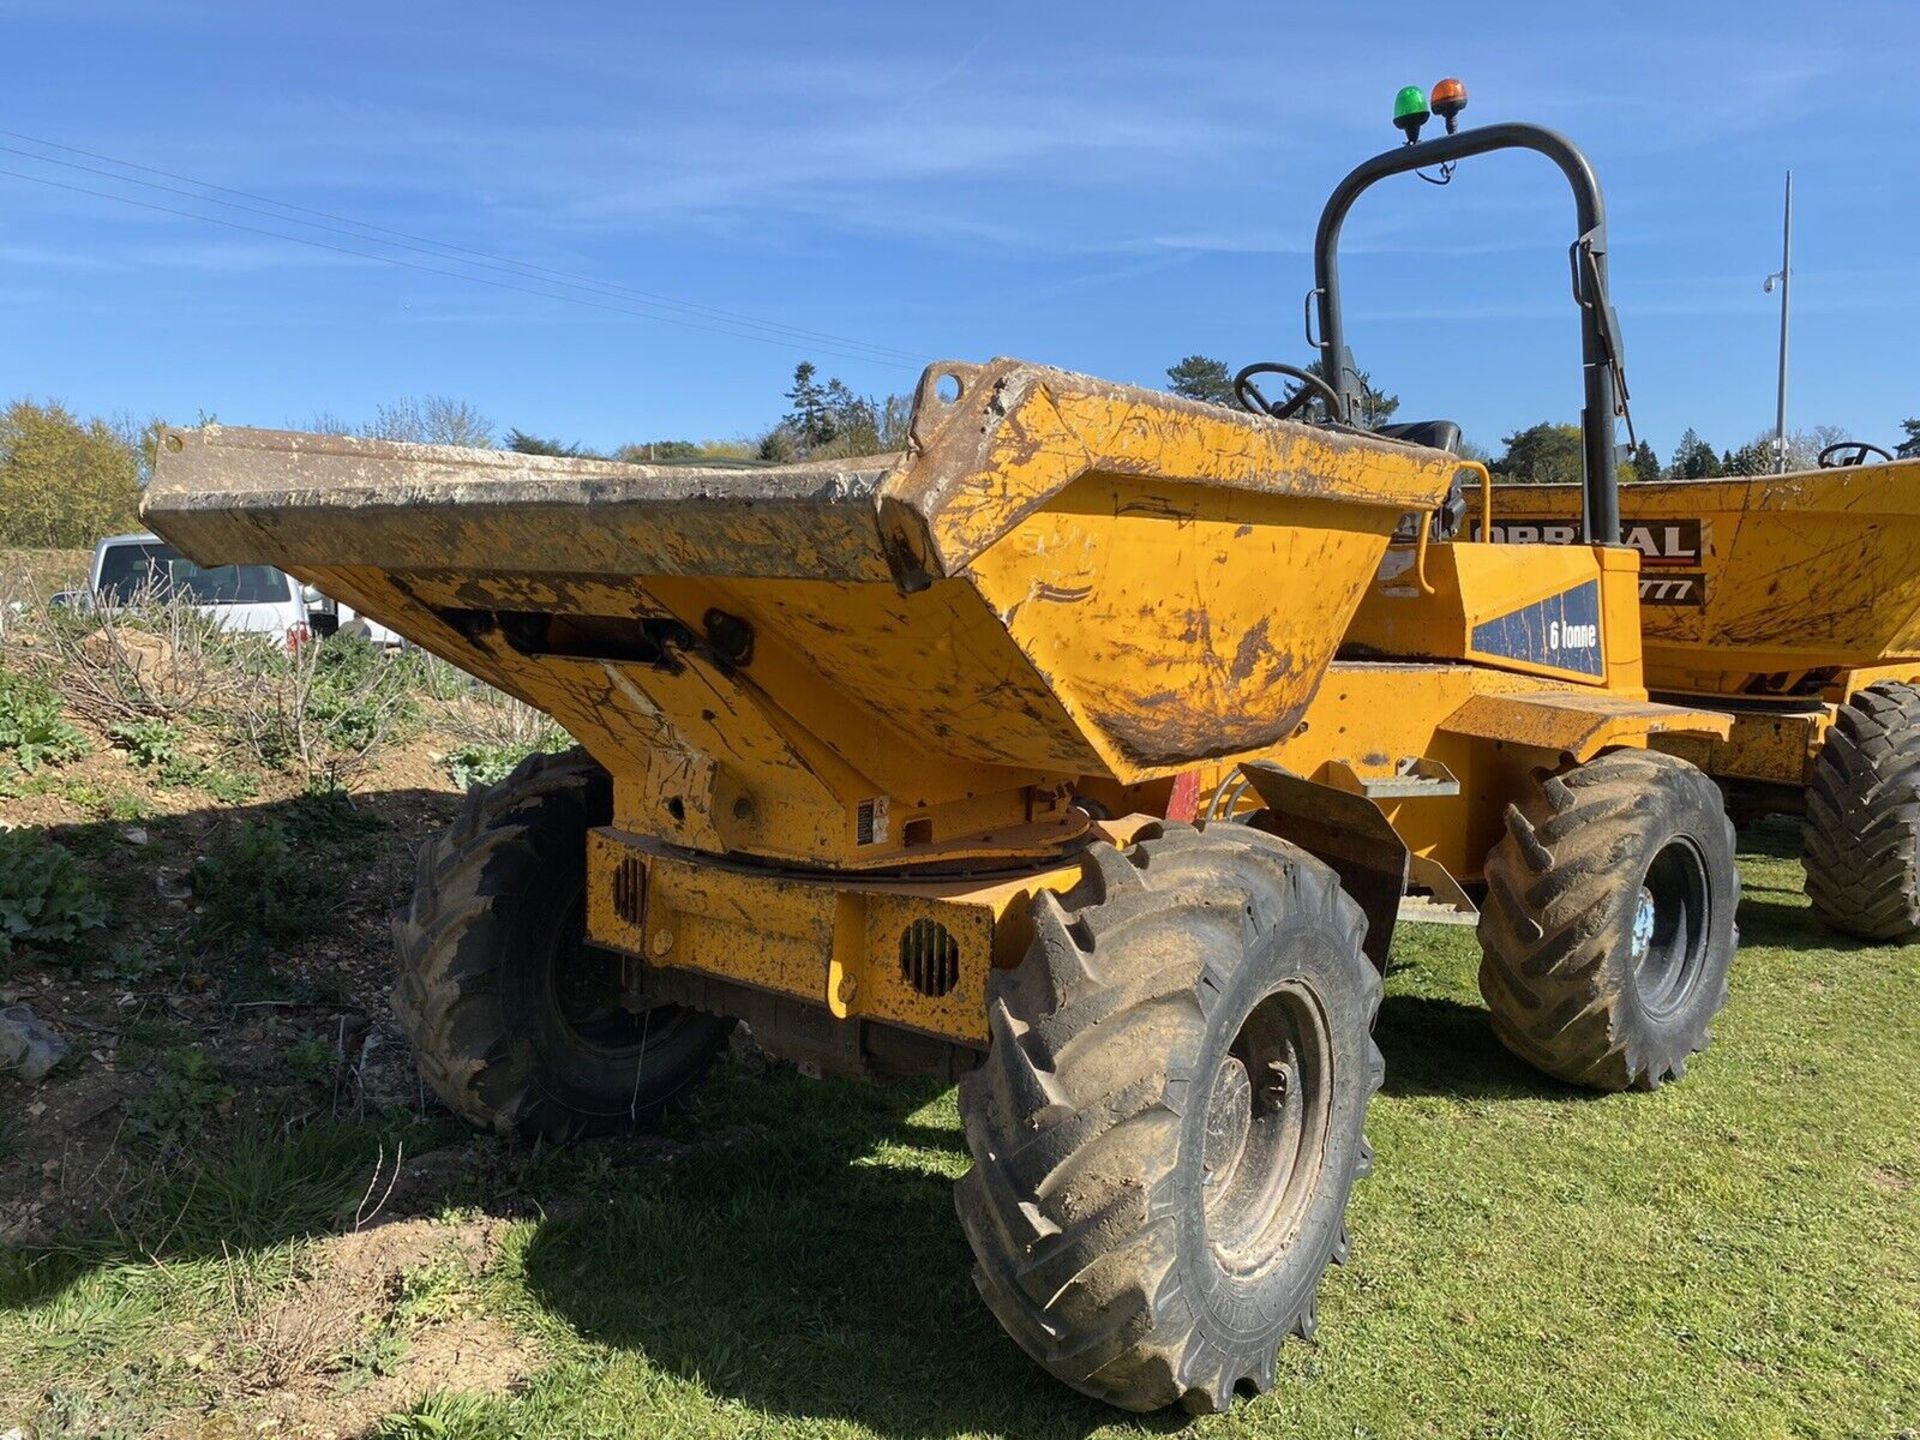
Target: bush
pixel 483 716
pixel 442 1415
pixel 324 711
pixel 329 818
pixel 229 787
pixel 500 732
pixel 158 745
pixel 175 1109
pixel 255 890
pixel 124 805
pixel 131 668
pixel 44 897
pixel 359 695
pixel 313 1061
pixel 150 742
pixel 483 765
pixel 31 730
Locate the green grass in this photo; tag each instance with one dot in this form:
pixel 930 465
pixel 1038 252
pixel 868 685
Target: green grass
pixel 106 1333
pixel 1738 1254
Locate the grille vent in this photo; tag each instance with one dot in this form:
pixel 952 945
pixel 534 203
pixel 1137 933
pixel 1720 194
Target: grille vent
pixel 929 958
pixel 629 887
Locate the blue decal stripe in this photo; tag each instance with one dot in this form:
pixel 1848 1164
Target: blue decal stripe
pixel 1562 631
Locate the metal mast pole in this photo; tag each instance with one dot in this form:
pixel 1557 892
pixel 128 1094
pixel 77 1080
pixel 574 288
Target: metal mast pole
pixel 1786 288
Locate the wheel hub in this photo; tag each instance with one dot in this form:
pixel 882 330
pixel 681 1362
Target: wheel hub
pixel 1229 1118
pixel 1267 1114
pixel 1668 943
pixel 1643 918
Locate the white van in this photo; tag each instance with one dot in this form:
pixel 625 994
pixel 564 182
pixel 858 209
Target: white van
pixel 330 617
pixel 255 598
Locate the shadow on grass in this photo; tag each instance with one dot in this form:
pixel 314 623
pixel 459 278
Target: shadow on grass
pixel 817 1272
pixel 1777 837
pixel 1774 910
pixel 227 890
pixel 1790 925
pixel 791 1246
pixel 206 906
pixel 1441 1047
pixel 258 1189
pixel 799 1256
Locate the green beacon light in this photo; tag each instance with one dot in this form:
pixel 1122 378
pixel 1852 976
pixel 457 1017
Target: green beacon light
pixel 1410 111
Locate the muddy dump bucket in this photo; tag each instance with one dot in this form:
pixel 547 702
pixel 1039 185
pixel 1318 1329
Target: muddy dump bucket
pixel 1758 575
pixel 1058 578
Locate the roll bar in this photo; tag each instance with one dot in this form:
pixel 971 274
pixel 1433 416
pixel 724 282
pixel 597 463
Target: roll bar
pixel 1600 354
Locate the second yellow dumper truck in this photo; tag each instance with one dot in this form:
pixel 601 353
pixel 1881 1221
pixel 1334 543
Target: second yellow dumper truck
pixel 1791 604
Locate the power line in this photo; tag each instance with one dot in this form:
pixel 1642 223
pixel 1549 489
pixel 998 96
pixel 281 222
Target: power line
pixel 436 245
pixel 775 330
pixel 410 264
pixel 693 316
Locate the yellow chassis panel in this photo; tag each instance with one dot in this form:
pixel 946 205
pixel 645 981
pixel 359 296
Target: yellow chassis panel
pixel 839 941
pixel 1491 730
pixel 1777 745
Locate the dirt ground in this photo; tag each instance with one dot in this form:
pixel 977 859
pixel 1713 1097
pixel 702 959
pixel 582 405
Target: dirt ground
pixel 141 993
pixel 282 1366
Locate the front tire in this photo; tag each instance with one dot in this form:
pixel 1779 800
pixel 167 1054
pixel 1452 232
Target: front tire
pixel 1862 824
pixel 517 1023
pixel 1609 924
pixel 1168 1122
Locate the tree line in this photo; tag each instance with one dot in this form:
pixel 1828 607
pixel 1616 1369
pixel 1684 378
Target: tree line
pixel 66 480
pixel 825 419
pixel 1549 453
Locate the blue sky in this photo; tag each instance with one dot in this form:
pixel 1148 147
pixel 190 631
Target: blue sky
pixel 1105 187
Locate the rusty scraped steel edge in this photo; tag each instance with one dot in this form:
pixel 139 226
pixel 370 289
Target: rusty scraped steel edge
pixel 978 463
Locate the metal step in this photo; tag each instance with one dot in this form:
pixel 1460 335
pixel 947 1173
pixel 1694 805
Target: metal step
pixel 1443 903
pixel 1415 776
pixel 1425 910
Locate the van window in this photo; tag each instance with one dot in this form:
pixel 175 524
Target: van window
pixel 128 570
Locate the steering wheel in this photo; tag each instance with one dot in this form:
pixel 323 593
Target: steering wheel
pixel 1849 453
pixel 1311 385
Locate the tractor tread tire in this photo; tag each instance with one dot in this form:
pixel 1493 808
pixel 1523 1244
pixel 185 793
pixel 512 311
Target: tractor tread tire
pixel 1561 890
pixel 1861 828
pixel 1074 1119
pixel 456 943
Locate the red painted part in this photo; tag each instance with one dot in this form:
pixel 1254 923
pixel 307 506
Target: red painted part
pixel 1184 802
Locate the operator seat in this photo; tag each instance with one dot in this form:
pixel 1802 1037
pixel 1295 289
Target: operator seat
pixel 1451 513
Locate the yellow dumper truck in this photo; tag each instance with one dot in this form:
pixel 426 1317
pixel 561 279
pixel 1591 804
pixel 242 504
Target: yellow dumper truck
pixel 893 759
pixel 1791 604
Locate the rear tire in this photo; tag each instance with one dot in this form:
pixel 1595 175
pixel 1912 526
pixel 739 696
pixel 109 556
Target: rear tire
pixel 516 1022
pixel 1168 1122
pixel 1609 924
pixel 1862 824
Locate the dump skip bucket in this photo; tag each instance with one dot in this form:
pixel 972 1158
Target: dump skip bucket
pixel 1060 577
